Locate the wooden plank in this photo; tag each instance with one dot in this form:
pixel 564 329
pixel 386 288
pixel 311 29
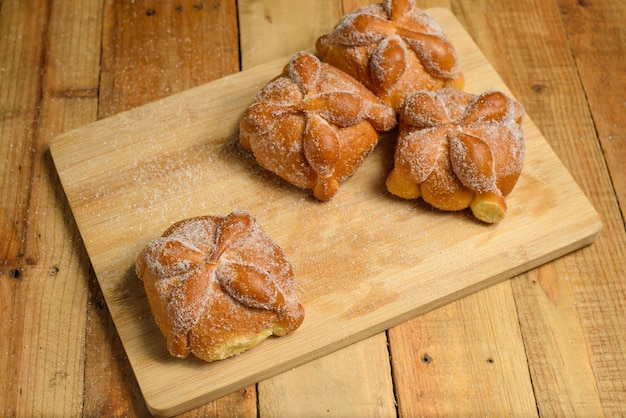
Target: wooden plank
pixel 46 313
pixel 20 87
pixel 466 356
pixel 354 381
pixel 572 312
pixel 151 51
pixel 20 90
pixel 385 283
pixel 155 50
pixel 598 28
pixel 57 300
pixel 596 34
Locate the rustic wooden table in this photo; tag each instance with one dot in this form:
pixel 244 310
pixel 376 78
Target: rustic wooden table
pixel 548 342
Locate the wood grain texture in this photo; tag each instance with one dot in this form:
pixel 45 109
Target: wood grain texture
pixel 354 381
pixel 42 301
pixel 596 35
pixel 598 28
pixel 437 376
pixel 154 50
pixel 20 90
pixel 18 96
pixel 166 175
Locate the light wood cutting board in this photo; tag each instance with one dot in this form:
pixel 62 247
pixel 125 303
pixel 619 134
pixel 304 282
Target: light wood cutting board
pixel 365 261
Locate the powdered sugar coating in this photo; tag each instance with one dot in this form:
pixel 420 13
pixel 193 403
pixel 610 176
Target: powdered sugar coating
pixel 206 269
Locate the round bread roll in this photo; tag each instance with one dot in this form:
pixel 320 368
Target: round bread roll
pixel 314 125
pixel 393 48
pixel 218 286
pixel 459 150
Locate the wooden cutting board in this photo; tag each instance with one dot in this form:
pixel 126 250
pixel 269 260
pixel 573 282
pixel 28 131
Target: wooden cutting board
pixel 365 261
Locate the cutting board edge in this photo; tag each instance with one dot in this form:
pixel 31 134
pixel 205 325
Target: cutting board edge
pixel 162 406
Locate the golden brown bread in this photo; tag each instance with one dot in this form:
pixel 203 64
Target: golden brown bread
pixel 217 286
pixel 456 149
pixel 314 125
pixel 393 48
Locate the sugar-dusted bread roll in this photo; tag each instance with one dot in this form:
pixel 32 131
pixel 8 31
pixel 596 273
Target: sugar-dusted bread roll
pixel 459 150
pixel 393 48
pixel 314 125
pixel 218 286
